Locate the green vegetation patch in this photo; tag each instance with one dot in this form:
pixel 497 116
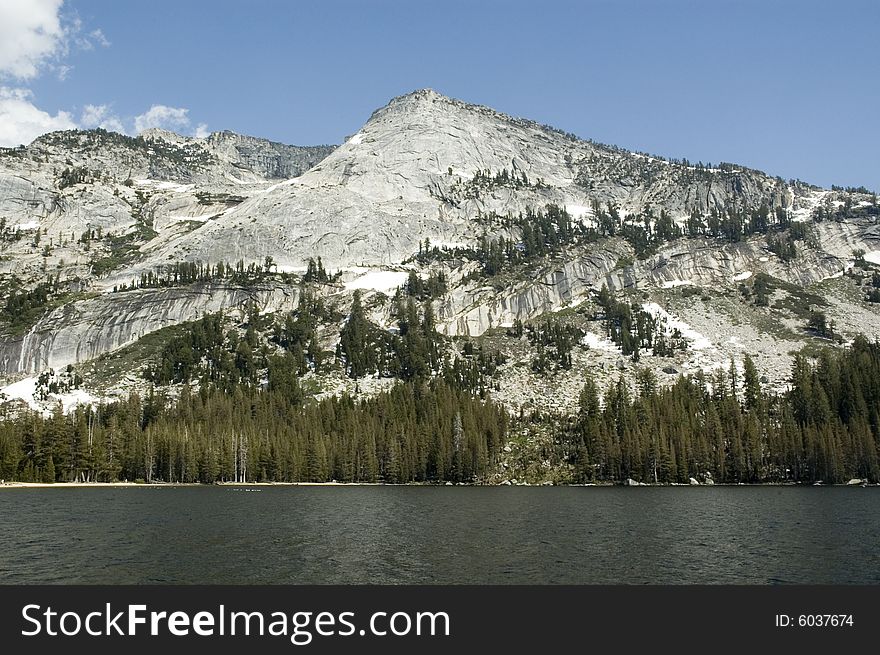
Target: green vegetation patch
pixel 24 307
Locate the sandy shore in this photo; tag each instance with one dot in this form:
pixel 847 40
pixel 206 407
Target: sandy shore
pixel 160 485
pixel 75 485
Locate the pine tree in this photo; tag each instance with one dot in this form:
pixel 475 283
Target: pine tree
pixel 49 471
pixel 751 384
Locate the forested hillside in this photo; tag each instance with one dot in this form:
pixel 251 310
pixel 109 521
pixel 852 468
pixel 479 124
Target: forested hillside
pixel 726 428
pixel 439 423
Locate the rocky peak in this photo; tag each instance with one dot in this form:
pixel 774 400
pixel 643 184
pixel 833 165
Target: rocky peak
pixel 426 106
pixel 408 147
pixel 412 101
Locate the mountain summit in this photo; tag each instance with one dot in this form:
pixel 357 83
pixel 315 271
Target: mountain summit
pixel 409 174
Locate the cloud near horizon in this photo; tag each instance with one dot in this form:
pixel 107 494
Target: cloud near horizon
pixel 99 116
pixel 21 121
pixel 173 119
pixel 163 117
pixel 36 38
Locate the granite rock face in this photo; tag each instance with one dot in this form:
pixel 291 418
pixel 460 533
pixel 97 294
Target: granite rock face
pixel 82 330
pixel 471 310
pixel 272 160
pixel 408 174
pixel 99 209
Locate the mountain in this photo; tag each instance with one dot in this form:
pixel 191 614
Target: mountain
pixel 109 242
pixel 407 174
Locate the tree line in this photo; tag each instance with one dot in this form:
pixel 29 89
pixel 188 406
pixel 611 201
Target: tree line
pixel 726 427
pixel 183 273
pixel 416 432
pixel 532 235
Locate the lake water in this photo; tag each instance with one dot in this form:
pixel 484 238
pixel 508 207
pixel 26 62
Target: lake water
pixel 437 535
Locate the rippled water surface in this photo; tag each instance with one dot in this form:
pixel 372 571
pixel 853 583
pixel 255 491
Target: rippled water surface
pixel 464 535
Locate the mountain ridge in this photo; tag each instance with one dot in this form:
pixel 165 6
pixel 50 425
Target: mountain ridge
pixel 414 151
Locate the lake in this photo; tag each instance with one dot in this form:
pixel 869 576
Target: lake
pixel 440 535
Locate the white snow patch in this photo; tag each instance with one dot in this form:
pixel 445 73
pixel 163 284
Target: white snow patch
pixel 763 259
pixel 647 158
pixel 72 399
pixel 579 211
pixel 33 225
pixel 163 185
pixel 21 390
pixel 356 139
pixel 595 342
pixel 739 277
pixel 282 268
pixel 383 281
pixel 873 256
pixel 25 389
pixel 671 284
pixel 812 201
pixel 698 341
pixel 270 189
pixel 571 304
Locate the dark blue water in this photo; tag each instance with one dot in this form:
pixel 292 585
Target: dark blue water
pixel 463 535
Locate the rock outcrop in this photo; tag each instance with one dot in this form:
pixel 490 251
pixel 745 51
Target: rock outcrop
pixel 272 160
pixel 82 330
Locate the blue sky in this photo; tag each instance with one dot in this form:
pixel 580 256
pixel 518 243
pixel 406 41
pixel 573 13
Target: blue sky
pixel 787 87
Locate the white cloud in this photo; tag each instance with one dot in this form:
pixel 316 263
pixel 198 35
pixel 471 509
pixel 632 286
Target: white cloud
pixel 86 41
pixel 173 119
pixel 36 36
pixel 98 37
pixel 100 116
pixel 31 34
pixel 164 117
pixel 21 121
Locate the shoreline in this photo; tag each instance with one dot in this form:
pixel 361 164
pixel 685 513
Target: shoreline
pixel 233 485
pixel 161 485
